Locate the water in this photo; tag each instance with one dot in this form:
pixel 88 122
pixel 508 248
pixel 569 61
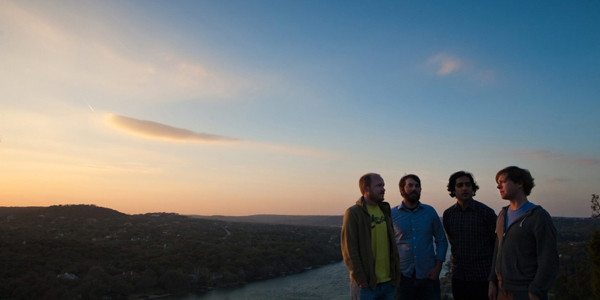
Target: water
pixel 328 282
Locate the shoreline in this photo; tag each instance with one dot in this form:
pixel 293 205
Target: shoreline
pixel 232 288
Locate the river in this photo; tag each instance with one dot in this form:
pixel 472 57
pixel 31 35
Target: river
pixel 328 282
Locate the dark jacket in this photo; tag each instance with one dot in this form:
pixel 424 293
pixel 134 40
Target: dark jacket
pixel 356 244
pixel 526 254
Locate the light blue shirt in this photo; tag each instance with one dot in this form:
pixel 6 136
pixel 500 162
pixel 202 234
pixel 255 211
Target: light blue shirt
pixel 512 215
pixel 415 233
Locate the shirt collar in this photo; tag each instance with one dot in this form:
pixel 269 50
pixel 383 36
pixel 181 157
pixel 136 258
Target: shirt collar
pixel 470 207
pixel 408 209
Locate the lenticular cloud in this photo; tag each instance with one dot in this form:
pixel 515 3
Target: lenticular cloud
pixel 156 130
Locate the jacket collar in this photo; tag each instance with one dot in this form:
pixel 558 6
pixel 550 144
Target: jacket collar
pixel 502 214
pixel 385 207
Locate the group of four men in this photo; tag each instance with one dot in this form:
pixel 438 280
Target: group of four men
pixel 390 252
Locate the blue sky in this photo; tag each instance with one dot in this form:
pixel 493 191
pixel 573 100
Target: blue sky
pixel 248 107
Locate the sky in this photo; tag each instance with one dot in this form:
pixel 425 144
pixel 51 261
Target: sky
pixel 278 107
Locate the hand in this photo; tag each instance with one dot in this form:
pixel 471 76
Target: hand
pixel 434 273
pixel 363 284
pixel 492 291
pixel 533 296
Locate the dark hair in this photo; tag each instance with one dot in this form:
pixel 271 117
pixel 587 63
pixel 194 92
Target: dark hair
pixel 366 180
pixel 518 175
pixel 403 181
pixel 457 175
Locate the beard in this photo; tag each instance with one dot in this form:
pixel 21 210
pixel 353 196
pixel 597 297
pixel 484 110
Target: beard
pixel 413 197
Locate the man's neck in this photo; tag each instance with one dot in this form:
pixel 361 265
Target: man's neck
pixel 409 204
pixel 517 202
pixel 370 202
pixel 464 203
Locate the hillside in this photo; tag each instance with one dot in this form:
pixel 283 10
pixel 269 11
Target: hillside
pixel 326 221
pixel 82 251
pixel 68 211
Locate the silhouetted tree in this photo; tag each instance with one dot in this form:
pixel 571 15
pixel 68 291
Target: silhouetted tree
pixel 595 207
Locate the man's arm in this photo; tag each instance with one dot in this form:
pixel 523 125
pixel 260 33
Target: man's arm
pixel 547 255
pixel 490 223
pixel 441 246
pixel 492 291
pixel 441 243
pixel 435 272
pixel 446 219
pixel 350 248
pixel 493 278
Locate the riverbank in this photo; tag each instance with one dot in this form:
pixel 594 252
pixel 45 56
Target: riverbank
pixel 328 282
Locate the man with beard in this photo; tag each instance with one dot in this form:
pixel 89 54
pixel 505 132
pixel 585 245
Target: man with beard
pixel 367 243
pixel 417 226
pixel 470 226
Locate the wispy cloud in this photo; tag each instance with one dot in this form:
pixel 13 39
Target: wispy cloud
pixel 543 154
pixel 43 49
pixel 444 63
pixel 156 130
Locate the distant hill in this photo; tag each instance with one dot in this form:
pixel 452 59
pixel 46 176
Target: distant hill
pixel 75 211
pixel 575 229
pixel 568 228
pixel 327 221
pixel 90 252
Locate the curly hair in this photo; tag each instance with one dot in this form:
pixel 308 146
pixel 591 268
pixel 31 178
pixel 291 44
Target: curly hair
pixel 455 176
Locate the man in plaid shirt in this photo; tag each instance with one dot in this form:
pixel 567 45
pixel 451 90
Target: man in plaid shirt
pixel 470 226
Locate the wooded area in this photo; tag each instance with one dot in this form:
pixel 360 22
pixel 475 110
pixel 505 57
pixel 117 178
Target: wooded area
pixel 61 252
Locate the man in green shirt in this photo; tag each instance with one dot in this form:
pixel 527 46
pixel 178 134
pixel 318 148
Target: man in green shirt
pixel 367 242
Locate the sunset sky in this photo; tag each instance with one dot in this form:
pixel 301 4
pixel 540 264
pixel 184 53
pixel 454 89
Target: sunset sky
pixel 278 107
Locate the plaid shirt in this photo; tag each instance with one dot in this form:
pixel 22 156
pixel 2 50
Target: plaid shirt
pixel 471 233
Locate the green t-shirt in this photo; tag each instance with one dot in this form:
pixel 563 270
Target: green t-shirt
pixel 380 244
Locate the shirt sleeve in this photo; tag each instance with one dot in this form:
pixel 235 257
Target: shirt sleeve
pixel 441 243
pixel 493 277
pixel 350 248
pixel 445 220
pixel 491 224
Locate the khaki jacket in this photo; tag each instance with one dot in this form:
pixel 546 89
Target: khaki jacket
pixel 356 244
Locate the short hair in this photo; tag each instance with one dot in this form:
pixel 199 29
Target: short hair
pixel 403 181
pixel 518 175
pixel 457 175
pixel 366 180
